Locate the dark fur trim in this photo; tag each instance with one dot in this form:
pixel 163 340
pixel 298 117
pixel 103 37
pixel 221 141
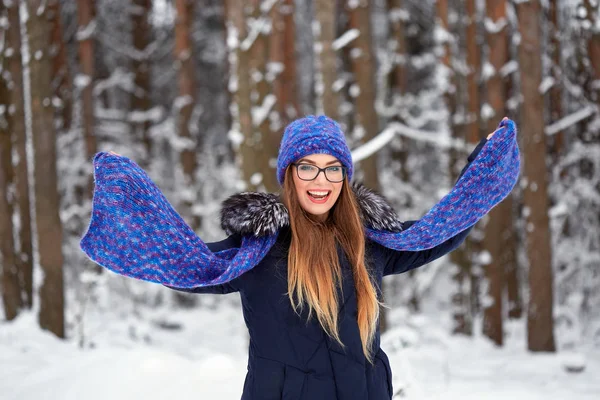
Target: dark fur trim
pixel 261 214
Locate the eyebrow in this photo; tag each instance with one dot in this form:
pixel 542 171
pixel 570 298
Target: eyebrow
pixel 312 162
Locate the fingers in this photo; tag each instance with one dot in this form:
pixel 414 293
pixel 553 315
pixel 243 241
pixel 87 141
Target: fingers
pixel 112 152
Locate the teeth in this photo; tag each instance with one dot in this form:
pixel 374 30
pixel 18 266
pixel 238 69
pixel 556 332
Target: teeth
pixel 318 193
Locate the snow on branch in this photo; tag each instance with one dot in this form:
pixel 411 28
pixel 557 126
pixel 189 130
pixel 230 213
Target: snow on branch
pixel 259 114
pixel 396 128
pixel 569 120
pixel 345 39
pixel 86 32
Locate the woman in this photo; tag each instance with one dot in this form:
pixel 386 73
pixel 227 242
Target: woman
pixel 308 266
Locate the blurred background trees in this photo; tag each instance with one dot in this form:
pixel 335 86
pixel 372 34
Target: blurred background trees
pixel 199 92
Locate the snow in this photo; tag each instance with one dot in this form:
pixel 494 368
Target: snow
pixel 203 355
pixel 259 114
pixel 569 120
pixel 345 39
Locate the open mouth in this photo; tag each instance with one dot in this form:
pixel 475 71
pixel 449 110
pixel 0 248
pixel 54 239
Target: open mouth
pixel 319 196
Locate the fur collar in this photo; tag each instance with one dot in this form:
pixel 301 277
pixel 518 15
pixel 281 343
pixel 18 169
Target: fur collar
pixel 262 214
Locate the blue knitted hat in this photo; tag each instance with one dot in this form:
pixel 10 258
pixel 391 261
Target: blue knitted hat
pixel 312 135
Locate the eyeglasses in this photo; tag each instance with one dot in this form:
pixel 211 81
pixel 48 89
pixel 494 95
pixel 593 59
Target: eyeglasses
pixel 308 172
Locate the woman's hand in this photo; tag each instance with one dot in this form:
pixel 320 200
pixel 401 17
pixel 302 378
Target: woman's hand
pixel 492 134
pixel 112 152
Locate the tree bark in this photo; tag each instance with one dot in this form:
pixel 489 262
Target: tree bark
pixel 246 145
pixel 283 51
pixel 9 282
pixel 187 95
pixel 327 98
pixel 540 325
pixel 140 99
pixel 474 66
pixel 15 66
pixel 500 219
pixel 60 75
pixel 555 92
pixel 363 68
pixel 85 9
pixel 47 202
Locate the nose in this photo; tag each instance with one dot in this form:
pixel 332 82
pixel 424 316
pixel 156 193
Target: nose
pixel 321 177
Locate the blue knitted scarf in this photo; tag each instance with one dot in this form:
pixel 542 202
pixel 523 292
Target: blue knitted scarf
pixel 135 232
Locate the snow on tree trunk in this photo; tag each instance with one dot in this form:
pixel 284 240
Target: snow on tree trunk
pixel 242 131
pixel 263 100
pixel 47 204
pixel 540 324
pixel 9 272
pixel 140 98
pixel 23 202
pixel 62 80
pixel 185 66
pixel 325 27
pixel 555 92
pixel 363 69
pixel 85 36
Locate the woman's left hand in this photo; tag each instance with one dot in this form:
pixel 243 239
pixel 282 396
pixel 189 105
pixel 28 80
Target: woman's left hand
pixel 492 134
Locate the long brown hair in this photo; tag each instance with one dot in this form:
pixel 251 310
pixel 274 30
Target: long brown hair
pixel 314 270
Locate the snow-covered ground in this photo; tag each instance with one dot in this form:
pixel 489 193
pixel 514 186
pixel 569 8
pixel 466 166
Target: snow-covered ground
pixel 201 354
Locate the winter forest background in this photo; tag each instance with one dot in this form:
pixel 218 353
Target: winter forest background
pixel 198 94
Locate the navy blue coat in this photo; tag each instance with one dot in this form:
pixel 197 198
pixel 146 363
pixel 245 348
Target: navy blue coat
pixel 292 359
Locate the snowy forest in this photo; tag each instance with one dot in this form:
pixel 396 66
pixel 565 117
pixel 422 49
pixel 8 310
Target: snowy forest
pixel 198 93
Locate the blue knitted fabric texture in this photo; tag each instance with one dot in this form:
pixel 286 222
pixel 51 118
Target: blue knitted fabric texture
pixel 313 135
pixel 135 232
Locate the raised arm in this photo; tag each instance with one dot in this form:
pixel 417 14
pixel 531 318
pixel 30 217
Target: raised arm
pixel 397 262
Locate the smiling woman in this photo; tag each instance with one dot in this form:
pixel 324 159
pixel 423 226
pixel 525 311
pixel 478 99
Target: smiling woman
pixel 308 262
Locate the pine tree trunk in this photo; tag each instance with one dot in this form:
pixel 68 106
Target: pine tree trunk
pixel 85 9
pixel 47 202
pixel 327 98
pixel 363 68
pixel 9 282
pixel 184 63
pixel 501 216
pixel 540 325
pixel 140 99
pixel 555 91
pixel 60 75
pixel 474 66
pixel 15 66
pixel 267 140
pixel 283 51
pixel 246 145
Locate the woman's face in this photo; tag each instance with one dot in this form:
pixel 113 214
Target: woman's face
pixel 317 196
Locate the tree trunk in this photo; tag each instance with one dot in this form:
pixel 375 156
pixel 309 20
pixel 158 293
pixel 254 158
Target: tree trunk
pixel 327 98
pixel 474 65
pixel 9 282
pixel 283 52
pixel 187 96
pixel 47 202
pixel 15 66
pixel 267 141
pixel 363 68
pixel 140 99
pixel 60 75
pixel 85 36
pixel 540 325
pixel 85 9
pixel 501 216
pixel 461 306
pixel 555 92
pixel 246 144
